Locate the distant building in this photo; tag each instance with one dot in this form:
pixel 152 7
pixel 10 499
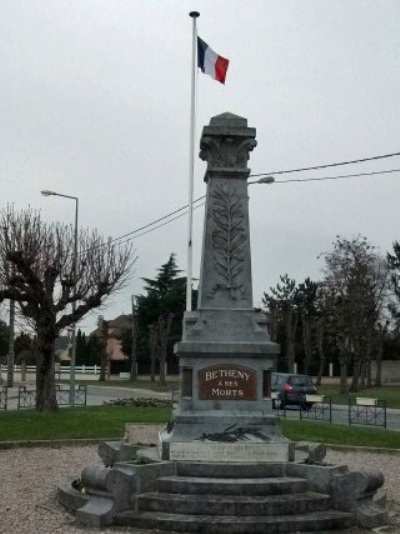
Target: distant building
pixel 114 345
pixel 62 347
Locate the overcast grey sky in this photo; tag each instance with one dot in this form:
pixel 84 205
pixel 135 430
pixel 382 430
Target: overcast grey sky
pixel 95 98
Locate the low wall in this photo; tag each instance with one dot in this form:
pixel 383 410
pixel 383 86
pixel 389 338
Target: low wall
pixel 390 371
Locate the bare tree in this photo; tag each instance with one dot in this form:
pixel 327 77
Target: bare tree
pixel 43 283
pixel 355 282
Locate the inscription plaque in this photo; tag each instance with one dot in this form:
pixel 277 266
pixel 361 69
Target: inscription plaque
pixel 227 382
pixel 229 452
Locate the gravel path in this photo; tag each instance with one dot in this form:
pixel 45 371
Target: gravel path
pixel 29 478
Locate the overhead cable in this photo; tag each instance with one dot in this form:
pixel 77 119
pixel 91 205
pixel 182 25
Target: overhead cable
pixel 351 162
pixel 151 226
pixel 321 178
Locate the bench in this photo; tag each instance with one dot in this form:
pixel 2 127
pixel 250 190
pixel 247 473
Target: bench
pixel 367 411
pixel 365 401
pixel 315 398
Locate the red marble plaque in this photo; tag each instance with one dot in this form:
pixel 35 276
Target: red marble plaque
pixel 227 382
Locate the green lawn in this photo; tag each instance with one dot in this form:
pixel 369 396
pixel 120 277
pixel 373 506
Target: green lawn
pixel 323 432
pixel 88 422
pixel 103 422
pixel 391 394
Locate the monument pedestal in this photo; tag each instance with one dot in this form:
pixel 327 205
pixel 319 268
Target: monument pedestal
pixel 226 355
pixel 225 438
pixel 225 411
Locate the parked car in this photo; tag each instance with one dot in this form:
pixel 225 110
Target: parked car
pixel 291 389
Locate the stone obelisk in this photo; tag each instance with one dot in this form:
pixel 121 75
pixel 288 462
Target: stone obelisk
pixel 226 355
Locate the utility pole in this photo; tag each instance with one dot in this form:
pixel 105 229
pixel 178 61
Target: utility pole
pixel 133 374
pixel 164 328
pixel 153 345
pixel 11 354
pixel 104 360
pixel 72 372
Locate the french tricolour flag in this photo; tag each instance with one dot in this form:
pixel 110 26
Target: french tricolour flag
pixel 211 63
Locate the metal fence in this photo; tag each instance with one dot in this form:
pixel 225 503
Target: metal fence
pixel 317 407
pixel 3 398
pixel 361 410
pixel 365 411
pixel 63 395
pixel 277 405
pixel 314 407
pixel 27 397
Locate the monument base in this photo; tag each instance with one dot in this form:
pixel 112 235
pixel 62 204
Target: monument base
pixel 228 452
pixel 225 437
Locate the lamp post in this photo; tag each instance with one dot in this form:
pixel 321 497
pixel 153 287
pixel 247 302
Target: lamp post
pixel 264 180
pixel 11 353
pixel 48 193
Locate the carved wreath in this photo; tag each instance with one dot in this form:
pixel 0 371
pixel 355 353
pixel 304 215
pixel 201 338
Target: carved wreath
pixel 228 239
pixel 234 433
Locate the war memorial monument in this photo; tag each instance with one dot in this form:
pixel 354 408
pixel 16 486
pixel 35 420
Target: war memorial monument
pixel 222 466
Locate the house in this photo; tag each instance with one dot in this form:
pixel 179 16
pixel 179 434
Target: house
pixel 118 360
pixel 62 347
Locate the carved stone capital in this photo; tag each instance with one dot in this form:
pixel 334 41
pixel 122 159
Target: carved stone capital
pixel 226 151
pixel 227 142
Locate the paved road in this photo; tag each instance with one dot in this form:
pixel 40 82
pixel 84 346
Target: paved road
pixel 96 395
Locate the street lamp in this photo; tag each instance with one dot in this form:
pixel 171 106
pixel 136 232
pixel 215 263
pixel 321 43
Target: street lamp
pixel 47 193
pixel 264 180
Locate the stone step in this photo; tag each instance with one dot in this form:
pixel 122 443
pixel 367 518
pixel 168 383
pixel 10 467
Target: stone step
pixel 231 505
pixel 210 524
pixel 230 469
pixel 231 486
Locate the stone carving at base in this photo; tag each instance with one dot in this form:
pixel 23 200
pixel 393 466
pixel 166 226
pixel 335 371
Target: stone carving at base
pixel 228 452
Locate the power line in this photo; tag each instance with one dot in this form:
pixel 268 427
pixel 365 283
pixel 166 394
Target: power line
pixel 160 225
pixel 156 221
pixel 150 227
pixel 135 233
pixel 350 162
pixel 168 215
pixel 322 178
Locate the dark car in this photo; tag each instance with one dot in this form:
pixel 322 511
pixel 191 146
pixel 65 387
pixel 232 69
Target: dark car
pixel 291 389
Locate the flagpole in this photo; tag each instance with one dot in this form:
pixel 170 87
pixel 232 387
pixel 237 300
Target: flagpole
pixel 193 15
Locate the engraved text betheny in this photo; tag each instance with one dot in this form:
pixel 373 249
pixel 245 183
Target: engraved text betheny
pixel 227 382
